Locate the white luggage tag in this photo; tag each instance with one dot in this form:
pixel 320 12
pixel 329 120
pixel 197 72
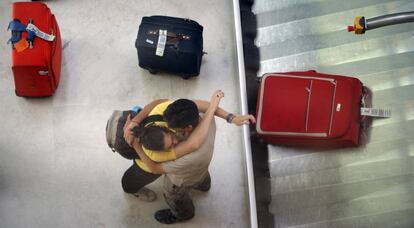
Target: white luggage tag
pixel 376 112
pixel 40 34
pixel 162 40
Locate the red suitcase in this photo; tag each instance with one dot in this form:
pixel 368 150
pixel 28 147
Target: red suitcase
pixel 36 70
pixel 309 109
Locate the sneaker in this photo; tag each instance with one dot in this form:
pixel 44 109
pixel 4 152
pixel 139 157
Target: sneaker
pixel 165 216
pixel 146 194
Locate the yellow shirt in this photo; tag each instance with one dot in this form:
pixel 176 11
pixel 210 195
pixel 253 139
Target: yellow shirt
pixel 157 156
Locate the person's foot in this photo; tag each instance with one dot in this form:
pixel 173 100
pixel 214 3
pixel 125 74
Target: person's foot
pixel 146 194
pixel 165 216
pixel 205 186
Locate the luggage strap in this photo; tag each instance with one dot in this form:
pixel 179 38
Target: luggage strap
pixel 32 28
pixel 17 28
pixel 151 119
pixel 148 121
pixel 16 25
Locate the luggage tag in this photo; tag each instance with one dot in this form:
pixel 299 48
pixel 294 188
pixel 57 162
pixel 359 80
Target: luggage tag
pixel 22 45
pixel 162 40
pixel 376 112
pixel 40 34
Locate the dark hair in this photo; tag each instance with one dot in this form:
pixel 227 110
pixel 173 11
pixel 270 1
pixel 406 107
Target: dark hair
pixel 182 113
pixel 152 137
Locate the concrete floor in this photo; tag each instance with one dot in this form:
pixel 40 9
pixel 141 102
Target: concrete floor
pixel 55 167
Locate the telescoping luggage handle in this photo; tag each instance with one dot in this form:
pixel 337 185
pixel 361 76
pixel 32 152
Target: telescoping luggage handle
pixel 174 41
pixel 178 36
pixel 163 40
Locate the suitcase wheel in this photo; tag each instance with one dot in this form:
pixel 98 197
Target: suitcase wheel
pixel 15 91
pixel 152 71
pixel 185 77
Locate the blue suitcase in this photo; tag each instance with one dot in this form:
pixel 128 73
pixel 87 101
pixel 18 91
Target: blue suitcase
pixel 170 44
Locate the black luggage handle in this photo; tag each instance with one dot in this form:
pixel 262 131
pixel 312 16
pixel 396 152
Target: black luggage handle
pixel 171 35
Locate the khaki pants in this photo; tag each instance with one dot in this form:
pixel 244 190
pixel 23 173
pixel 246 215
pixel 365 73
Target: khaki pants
pixel 179 200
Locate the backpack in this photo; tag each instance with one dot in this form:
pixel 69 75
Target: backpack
pixel 115 132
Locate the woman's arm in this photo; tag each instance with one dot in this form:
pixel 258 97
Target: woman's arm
pixel 146 110
pixel 131 123
pixel 153 166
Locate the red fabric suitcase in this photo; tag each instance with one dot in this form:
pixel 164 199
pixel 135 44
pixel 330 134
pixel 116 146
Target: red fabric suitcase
pixel 309 109
pixel 36 70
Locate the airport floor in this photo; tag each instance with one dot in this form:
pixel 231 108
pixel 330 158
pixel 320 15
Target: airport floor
pixel 56 169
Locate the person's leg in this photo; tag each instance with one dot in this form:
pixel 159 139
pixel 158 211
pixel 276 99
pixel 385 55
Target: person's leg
pixel 180 202
pixel 205 184
pixel 134 180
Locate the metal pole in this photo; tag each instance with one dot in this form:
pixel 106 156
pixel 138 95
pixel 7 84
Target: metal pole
pixel 246 134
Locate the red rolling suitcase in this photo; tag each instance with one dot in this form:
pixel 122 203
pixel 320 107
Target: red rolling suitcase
pixel 309 109
pixel 36 69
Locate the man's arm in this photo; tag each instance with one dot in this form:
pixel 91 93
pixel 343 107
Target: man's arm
pixel 146 110
pixel 199 134
pixel 131 123
pixel 153 166
pixel 203 105
pixel 237 120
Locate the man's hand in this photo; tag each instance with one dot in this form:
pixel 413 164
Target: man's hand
pixel 128 133
pixel 243 119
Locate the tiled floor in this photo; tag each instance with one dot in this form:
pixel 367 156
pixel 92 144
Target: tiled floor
pixel 55 167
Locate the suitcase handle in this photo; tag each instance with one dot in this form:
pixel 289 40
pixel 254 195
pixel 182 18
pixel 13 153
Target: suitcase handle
pixel 171 35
